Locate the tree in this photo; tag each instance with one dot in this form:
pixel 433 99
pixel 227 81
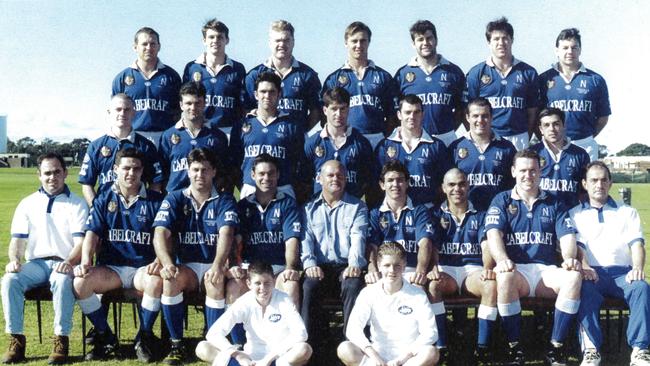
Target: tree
pixel 635 149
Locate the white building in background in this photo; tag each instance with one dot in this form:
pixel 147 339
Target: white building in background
pixel 628 164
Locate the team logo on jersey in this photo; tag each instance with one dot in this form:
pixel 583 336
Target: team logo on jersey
pixel 175 139
pixel 542 162
pixel 196 76
pixel 550 84
pixel 129 80
pixel 187 209
pixel 410 77
pixel 383 222
pixel 105 151
pixel 462 153
pixel 494 211
pixel 486 79
pixel 274 318
pixel 248 213
pixel 164 205
pixel 246 127
pixel 343 80
pixel 405 310
pixel 391 152
pixel 296 227
pixel 512 209
pixel 444 222
pixel 319 151
pixel 112 206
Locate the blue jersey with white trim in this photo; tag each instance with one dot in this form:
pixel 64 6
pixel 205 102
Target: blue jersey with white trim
pixel 299 93
pixel 426 164
pixel 281 138
pixel 195 230
pixel 488 172
pixel 412 225
pixel 562 178
pixel 156 99
pixel 459 242
pixel 125 229
pixel 266 230
pixel 530 236
pixel 441 92
pixel 177 142
pixel 583 99
pixel 223 90
pixel 510 96
pixel 355 154
pixel 373 99
pixel 100 158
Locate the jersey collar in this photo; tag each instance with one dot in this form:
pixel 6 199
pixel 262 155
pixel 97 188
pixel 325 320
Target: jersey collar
pixel 416 63
pixel 65 191
pixel 142 193
pixel 202 59
pixel 565 147
pixel 130 137
pixel 556 66
pixel 159 65
pixel 325 134
pixel 371 64
pixel 179 126
pixel 384 205
pixel 253 199
pixel 490 63
pixel 397 135
pixel 610 202
pixel 541 196
pixel 445 207
pixel 269 63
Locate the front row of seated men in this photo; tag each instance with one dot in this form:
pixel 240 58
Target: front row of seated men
pixel 166 247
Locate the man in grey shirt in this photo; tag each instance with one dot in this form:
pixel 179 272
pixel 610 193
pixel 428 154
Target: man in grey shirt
pixel 334 246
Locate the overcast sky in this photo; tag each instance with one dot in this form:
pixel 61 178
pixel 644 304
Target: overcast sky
pixel 58 58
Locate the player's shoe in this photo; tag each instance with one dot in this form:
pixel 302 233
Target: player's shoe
pixel 444 355
pixel 640 357
pixel 176 354
pixel 482 356
pixel 144 344
pixel 90 336
pixel 515 356
pixel 590 357
pixel 16 351
pixel 60 350
pixel 556 355
pixel 104 346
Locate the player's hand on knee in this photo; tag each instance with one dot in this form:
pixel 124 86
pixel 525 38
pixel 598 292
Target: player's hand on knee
pixel 243 359
pixel 290 275
pixel 434 274
pixel 13 267
pixel 374 356
pixel 214 276
pixel 372 277
pixel 352 272
pixel 571 264
pixel 168 272
pixel 419 278
pixel 315 272
pixel 636 274
pixel 81 270
pixel 63 267
pixel 153 268
pixel 505 265
pixel 589 274
pixel 488 275
pixel 236 272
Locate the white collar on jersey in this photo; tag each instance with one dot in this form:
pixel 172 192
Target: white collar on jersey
pixel 441 61
pixel 396 135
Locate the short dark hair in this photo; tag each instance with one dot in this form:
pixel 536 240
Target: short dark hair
pixel 394 166
pixel 336 95
pixel 129 152
pixel 421 27
pixel 51 155
pixel 410 99
pixel 479 102
pixel 215 25
pixel 569 33
pixel 391 248
pixel 550 111
pixel 526 154
pixel 269 77
pixel 266 158
pixel 146 30
pixel 500 24
pixel 125 97
pixel 192 88
pixel 356 27
pixel 598 164
pixel 260 268
pixel 202 155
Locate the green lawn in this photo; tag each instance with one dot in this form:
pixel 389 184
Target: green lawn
pixel 17 183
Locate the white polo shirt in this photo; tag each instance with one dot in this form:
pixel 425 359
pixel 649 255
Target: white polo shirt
pixel 607 232
pixel 49 223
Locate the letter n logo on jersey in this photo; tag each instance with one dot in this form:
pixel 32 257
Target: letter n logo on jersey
pixel 425 153
pixel 443 76
pixel 473 225
pixel 583 83
pixel 376 79
pixel 409 220
pixel 210 142
pixel 143 210
pixel 499 155
pixel 211 214
pixel 520 78
pixel 281 128
pixel 296 81
pixel 545 212
pixel 276 212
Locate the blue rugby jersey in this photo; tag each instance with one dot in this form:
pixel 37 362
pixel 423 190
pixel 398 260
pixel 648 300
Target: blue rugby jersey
pixel 266 230
pixel 125 229
pixel 177 142
pixel 426 164
pixel 459 242
pixel 356 155
pixel 583 99
pixel 530 236
pixel 441 92
pixel 195 230
pixel 156 99
pixel 223 89
pixel 100 158
pixel 562 178
pixel 373 99
pixel 413 224
pixel 510 96
pixel 281 138
pixel 488 172
pixel 299 93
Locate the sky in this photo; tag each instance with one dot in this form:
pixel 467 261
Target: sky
pixel 58 58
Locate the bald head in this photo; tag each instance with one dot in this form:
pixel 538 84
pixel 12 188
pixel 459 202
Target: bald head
pixel 455 186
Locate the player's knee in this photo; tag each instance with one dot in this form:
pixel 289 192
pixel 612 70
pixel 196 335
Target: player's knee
pixel 302 350
pixel 640 289
pixel 352 285
pixel 429 354
pixel 10 281
pixel 60 282
pixel 488 288
pixel 153 283
pixel 347 353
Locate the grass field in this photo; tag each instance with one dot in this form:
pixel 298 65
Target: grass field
pixel 18 183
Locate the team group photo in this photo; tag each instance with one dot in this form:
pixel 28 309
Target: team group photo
pixel 277 213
